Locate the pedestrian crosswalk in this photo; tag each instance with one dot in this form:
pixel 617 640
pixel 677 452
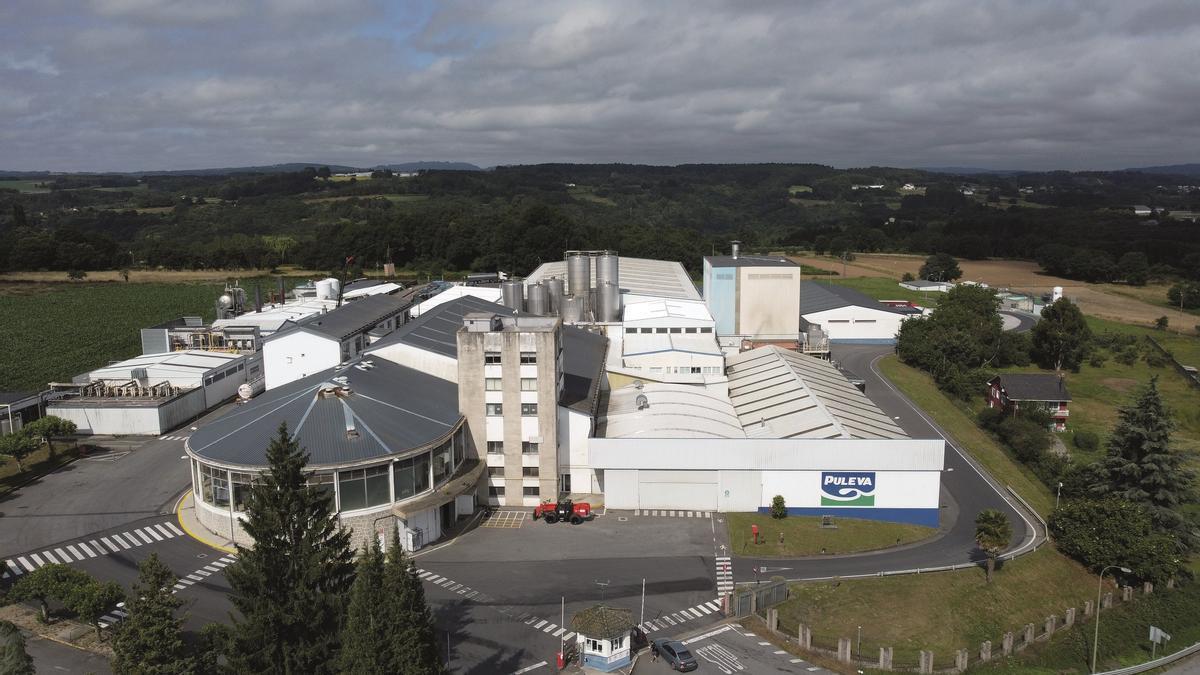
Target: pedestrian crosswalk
pixel 710 609
pixel 724 575
pixel 671 513
pixel 546 626
pixel 172 438
pixel 119 612
pixel 82 550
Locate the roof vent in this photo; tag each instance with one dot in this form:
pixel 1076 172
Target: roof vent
pixel 642 402
pixel 339 391
pixel 638 384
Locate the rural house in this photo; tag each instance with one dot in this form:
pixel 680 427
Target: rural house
pixel 1013 391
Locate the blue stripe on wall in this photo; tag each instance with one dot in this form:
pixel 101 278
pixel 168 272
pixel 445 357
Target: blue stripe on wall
pixel 926 517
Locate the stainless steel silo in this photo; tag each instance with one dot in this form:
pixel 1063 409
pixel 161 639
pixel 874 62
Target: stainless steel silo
pixel 579 277
pixel 609 301
pixel 538 301
pixel 572 309
pixel 556 289
pixel 607 269
pixel 512 295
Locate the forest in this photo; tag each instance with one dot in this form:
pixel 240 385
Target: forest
pixel 514 217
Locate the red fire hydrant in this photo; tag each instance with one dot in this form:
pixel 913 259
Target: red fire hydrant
pixel 754 531
pixel 562 662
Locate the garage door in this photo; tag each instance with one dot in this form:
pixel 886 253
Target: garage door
pixel 694 490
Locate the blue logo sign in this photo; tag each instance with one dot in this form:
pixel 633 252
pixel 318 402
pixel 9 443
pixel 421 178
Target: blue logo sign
pixel 847 488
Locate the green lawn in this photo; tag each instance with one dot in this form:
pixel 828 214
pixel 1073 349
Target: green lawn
pixel 941 611
pixel 584 194
pixel 958 420
pixel 803 535
pixel 883 288
pixel 27 186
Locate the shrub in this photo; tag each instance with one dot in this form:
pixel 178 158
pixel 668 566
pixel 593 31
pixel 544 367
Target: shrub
pixel 1098 359
pixel 1087 441
pixel 990 418
pixel 908 277
pixel 1155 359
pixel 1127 356
pixel 1162 322
pixel 1100 532
pixel 778 507
pixel 1026 438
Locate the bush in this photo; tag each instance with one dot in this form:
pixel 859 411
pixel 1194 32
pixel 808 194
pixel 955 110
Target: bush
pixel 1087 441
pixel 1098 359
pixel 778 507
pixel 908 277
pixel 1101 532
pixel 1027 439
pixel 990 418
pixel 1162 322
pixel 1127 356
pixel 1155 359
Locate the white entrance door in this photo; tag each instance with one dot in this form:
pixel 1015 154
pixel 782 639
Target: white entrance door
pixel 688 490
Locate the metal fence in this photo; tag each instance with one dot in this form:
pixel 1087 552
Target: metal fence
pixel 750 599
pixel 1190 376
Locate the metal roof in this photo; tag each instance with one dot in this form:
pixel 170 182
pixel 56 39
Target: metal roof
pixel 1034 387
pixel 663 278
pixel 190 362
pixel 639 344
pixel 782 394
pixel 645 308
pixel 353 317
pixel 393 409
pixel 670 411
pixel 749 261
pixel 924 283
pixel 818 297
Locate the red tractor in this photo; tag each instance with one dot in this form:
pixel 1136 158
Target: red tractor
pixel 564 510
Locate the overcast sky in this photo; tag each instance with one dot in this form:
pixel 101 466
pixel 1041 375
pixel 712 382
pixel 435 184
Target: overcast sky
pixel 170 84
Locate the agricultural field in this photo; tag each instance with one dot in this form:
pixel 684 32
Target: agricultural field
pixel 585 193
pixel 26 186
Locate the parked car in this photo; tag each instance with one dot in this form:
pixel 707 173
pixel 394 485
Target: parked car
pixel 675 653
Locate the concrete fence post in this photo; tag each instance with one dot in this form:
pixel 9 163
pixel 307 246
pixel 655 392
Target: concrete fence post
pixel 985 650
pixel 1147 588
pixel 844 650
pixel 1027 638
pixel 960 660
pixel 1106 601
pixel 885 658
pixel 1170 583
pixel 926 663
pixel 805 637
pixel 1069 618
pixel 1051 625
pixel 773 620
pixel 1087 608
pixel 1006 646
pixel 754 603
pixel 1126 593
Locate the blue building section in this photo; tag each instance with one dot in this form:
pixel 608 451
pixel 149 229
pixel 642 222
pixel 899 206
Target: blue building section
pixel 926 517
pixel 720 292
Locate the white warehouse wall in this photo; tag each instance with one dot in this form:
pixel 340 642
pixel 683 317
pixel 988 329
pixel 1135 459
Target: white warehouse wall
pixel 857 324
pixel 296 355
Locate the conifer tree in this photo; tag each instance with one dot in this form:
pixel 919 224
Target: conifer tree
pixel 14 660
pixel 150 639
pixel 366 637
pixel 414 649
pixel 290 589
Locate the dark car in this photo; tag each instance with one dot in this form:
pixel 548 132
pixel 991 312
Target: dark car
pixel 675 653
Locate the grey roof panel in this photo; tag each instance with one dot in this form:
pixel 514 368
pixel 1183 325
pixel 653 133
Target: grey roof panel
pixel 356 316
pixel 1034 387
pixel 435 329
pixel 749 261
pixel 818 297
pixel 394 409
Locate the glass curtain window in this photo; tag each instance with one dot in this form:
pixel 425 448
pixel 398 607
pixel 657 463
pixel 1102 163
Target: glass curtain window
pixel 353 489
pixel 443 458
pixel 460 447
pixel 421 473
pixel 411 476
pixel 377 486
pixel 214 485
pixel 323 482
pixel 241 490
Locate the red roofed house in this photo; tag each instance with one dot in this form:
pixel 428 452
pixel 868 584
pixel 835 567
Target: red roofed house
pixel 1012 391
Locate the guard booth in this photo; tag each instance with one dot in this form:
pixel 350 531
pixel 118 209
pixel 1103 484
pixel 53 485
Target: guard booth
pixel 602 637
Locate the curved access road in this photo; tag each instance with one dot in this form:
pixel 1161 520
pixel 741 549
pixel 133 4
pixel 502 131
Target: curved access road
pixel 1018 322
pixel 966 491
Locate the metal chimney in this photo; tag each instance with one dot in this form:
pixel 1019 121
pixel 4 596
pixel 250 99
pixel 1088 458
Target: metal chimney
pixel 736 244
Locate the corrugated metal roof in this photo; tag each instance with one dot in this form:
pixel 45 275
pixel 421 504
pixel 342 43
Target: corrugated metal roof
pixel 1034 387
pixel 819 297
pixel 781 394
pixel 393 409
pixel 356 316
pixel 671 411
pixel 435 329
pixel 749 261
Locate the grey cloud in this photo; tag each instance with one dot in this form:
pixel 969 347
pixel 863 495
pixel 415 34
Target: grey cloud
pixel 156 84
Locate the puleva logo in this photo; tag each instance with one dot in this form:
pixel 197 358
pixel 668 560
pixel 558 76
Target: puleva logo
pixel 847 488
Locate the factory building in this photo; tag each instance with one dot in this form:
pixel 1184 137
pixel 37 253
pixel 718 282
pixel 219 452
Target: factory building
pixel 154 393
pixel 755 298
pixel 18 408
pixel 847 316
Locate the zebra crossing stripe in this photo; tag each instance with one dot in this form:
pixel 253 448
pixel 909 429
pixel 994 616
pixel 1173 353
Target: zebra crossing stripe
pixel 117 538
pixel 26 565
pixel 704 609
pixel 88 549
pixel 74 551
pixel 153 533
pixel 559 632
pixel 171 526
pixel 549 628
pixel 62 555
pixel 164 531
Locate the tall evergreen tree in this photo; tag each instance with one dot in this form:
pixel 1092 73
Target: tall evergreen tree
pixel 415 648
pixel 14 660
pixel 150 639
pixel 1062 339
pixel 366 637
pixel 1140 465
pixel 290 589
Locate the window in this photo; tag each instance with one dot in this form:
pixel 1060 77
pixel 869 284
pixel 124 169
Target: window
pixel 495 447
pixel 491 358
pixel 496 471
pixel 443 458
pixel 531 491
pixel 529 471
pixel 839 321
pixel 460 446
pixel 323 483
pixel 594 645
pixel 706 329
pixel 214 485
pixel 411 476
pixel 676 330
pixel 647 330
pixel 528 358
pixel 363 488
pixel 864 321
pixel 630 331
pixel 690 330
pixel 528 410
pixel 528 384
pixel 241 483
pixel 660 330
pixel 496 491
pixel 695 370
pixel 529 448
pixel 494 409
pixel 618 643
pixel 491 383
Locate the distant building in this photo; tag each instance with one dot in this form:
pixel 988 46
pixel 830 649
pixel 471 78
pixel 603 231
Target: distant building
pixel 1140 210
pixel 847 316
pixel 926 285
pixel 1011 392
pixel 18 408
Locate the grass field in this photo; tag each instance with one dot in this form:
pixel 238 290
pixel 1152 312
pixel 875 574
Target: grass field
pixel 27 186
pixel 958 420
pixel 804 536
pixel 584 194
pixel 942 611
pixel 797 189
pixel 882 288
pixel 394 198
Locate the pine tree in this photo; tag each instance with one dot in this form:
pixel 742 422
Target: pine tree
pixel 366 637
pixel 14 660
pixel 1140 465
pixel 150 639
pixel 414 649
pixel 290 589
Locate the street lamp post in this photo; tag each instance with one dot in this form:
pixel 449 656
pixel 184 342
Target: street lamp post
pixel 1099 589
pixel 1058 495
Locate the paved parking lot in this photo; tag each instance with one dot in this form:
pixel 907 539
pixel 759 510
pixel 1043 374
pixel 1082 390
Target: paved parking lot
pixel 731 649
pixel 504 519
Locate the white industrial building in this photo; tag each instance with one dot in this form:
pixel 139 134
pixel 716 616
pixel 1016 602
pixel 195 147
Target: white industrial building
pixel 926 285
pixel 847 316
pixel 755 298
pixel 153 393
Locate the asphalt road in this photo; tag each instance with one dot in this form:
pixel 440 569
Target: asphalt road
pixel 1020 321
pixel 965 492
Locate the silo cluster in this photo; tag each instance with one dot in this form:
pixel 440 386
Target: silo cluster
pixel 591 291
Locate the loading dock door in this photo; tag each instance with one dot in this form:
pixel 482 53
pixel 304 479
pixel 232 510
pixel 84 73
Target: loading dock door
pixel 689 490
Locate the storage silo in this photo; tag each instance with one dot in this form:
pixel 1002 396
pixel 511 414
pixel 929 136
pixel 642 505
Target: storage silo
pixel 579 277
pixel 538 301
pixel 335 287
pixel 556 290
pixel 572 309
pixel 512 295
pixel 324 290
pixel 607 269
pixel 609 297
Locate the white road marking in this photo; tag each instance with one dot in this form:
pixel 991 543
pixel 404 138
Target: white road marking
pixel 165 532
pixel 725 661
pixel 62 555
pixel 529 668
pixel 156 535
pixel 108 543
pixel 74 551
pixel 178 532
pixel 540 623
pixel 549 628
pixel 26 565
pixel 709 634
pixel 117 538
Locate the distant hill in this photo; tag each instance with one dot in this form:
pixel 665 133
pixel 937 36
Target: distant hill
pixel 430 166
pixel 272 168
pixel 970 171
pixel 1171 169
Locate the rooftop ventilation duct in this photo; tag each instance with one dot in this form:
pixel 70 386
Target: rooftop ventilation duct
pixel 642 402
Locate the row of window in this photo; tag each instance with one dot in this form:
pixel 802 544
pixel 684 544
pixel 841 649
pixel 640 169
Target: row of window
pixel 494 384
pixel 526 472
pixel 497 491
pixel 497 409
pixel 497 448
pixel 228 373
pixel 493 358
pixel 672 330
pixel 855 321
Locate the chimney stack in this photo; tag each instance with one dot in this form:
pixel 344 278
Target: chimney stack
pixel 736 244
